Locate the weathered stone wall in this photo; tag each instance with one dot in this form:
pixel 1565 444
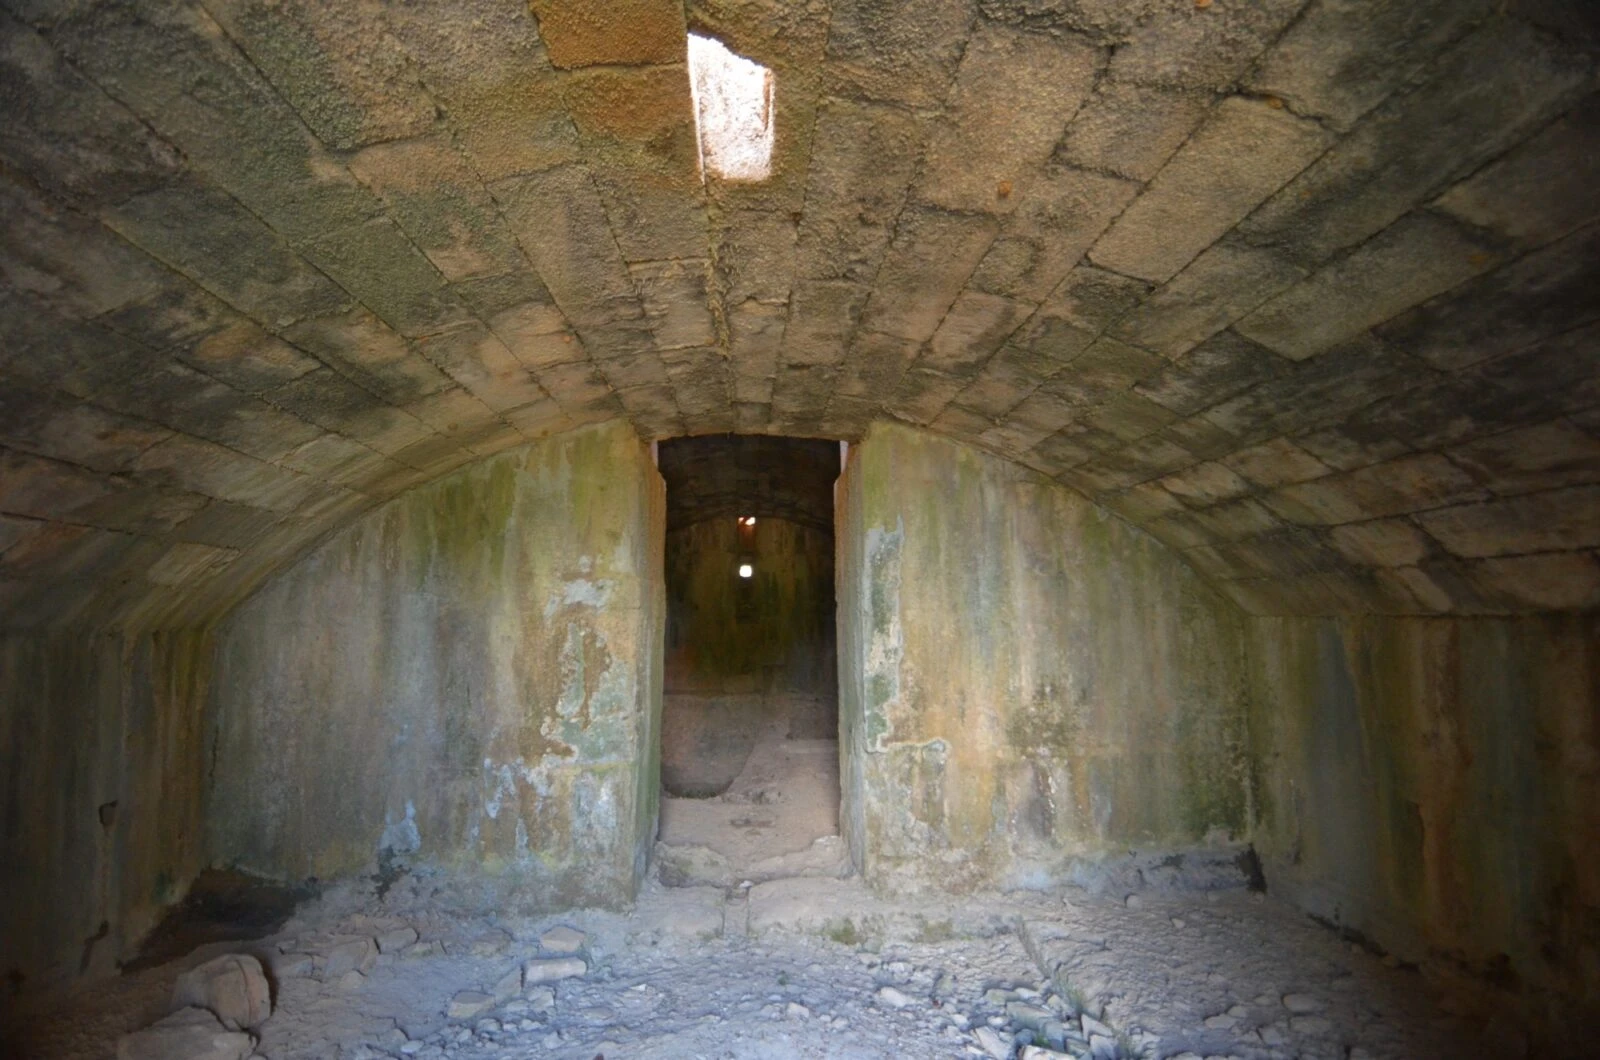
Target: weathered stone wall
pixel 100 796
pixel 1433 785
pixel 467 676
pixel 1030 686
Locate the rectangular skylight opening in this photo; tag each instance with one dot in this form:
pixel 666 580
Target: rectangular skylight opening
pixel 733 112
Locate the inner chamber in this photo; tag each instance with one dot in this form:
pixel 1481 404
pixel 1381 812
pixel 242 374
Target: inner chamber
pixel 750 708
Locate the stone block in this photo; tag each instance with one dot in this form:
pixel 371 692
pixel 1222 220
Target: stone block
pixel 305 47
pixel 1223 284
pixel 628 32
pixel 973 163
pixel 66 133
pixel 377 263
pixel 673 294
pixel 1206 484
pixel 1381 543
pixel 923 394
pixel 1346 450
pixel 975 326
pixel 76 433
pixel 462 45
pixel 1276 463
pixel 1541 190
pixel 553 969
pixel 1200 47
pixel 1560 374
pixel 1128 416
pixel 1219 368
pixel 1407 484
pixel 185 77
pixel 1546 456
pixel 48 489
pixel 1244 151
pixel 192 1034
pixel 863 158
pixel 69 261
pixel 1555 581
pixel 1058 215
pixel 900 53
pixel 822 317
pixel 1341 58
pixel 434 195
pixel 1419 257
pixel 247 358
pixel 925 268
pixel 178 396
pixel 755 256
pixel 1541 294
pixel 364 349
pixel 202 467
pixel 1553 521
pixel 554 214
pixel 1131 129
pixel 1487 93
pixel 233 987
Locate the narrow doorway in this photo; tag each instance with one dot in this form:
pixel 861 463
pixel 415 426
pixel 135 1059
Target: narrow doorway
pixel 750 704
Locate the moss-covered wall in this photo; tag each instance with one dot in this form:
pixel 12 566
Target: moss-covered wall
pixel 1434 784
pixel 469 676
pixel 1028 685
pixel 100 796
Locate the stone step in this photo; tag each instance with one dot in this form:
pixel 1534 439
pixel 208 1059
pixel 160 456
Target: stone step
pixel 693 865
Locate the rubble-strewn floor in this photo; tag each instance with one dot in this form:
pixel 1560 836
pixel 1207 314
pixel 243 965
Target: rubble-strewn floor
pixel 803 968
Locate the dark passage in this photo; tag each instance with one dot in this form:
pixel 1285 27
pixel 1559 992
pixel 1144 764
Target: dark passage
pixel 750 707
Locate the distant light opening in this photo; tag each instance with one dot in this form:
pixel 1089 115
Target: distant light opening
pixel 746 570
pixel 733 111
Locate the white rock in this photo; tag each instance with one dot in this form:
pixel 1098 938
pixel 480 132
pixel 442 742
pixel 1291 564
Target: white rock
pixel 563 940
pixel 353 954
pixel 293 966
pixel 469 1004
pixel 232 987
pixel 188 1034
pixel 553 969
pixel 507 986
pixel 797 1011
pixel 1133 901
pixel 1102 1048
pixel 1092 1026
pixel 350 981
pixel 397 940
pixel 893 998
pixel 1300 1004
pixel 541 998
pixel 991 1041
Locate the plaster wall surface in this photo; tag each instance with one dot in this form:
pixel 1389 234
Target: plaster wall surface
pixel 1434 784
pixel 101 795
pixel 469 676
pixel 1030 688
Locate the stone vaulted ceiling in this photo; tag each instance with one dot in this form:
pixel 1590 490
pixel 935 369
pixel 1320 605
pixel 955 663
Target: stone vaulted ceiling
pixel 1305 289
